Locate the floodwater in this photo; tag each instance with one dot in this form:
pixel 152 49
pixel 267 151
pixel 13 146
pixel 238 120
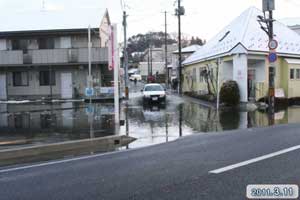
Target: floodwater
pixel 23 125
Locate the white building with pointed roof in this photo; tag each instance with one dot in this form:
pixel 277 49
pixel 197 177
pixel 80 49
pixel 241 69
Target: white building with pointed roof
pixel 242 47
pixel 292 23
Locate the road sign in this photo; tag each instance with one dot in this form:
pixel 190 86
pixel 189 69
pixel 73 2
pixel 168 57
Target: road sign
pixel 272 57
pixel 89 92
pixel 90 109
pixel 273 44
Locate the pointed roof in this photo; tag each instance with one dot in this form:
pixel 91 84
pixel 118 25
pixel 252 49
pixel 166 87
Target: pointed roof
pixel 246 31
pixel 106 15
pixel 189 49
pixel 291 21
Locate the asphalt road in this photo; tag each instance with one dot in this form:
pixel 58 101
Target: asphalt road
pixel 176 170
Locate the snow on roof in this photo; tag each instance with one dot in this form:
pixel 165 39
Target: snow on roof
pixel 51 20
pixel 292 61
pixel 290 21
pixel 245 30
pixel 189 49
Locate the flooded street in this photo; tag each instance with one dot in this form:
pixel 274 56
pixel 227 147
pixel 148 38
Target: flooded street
pixel 23 125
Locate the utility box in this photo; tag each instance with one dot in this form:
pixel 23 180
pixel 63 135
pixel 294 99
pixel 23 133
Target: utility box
pixel 268 5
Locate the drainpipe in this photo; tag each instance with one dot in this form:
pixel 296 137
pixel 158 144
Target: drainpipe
pixel 50 76
pixel 90 64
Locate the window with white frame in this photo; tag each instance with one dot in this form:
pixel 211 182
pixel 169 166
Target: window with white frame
pixel 298 74
pixel 292 74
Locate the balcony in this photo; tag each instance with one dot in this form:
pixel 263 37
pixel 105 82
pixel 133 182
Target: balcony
pixel 11 57
pixel 53 56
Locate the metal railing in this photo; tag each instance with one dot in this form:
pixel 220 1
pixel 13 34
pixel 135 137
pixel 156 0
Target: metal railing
pixel 52 56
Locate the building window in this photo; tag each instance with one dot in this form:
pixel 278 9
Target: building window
pixel 21 44
pixel 292 74
pixel 202 71
pixel 19 121
pixel 20 78
pixel 45 77
pixel 212 74
pixel 48 121
pixel 298 74
pixel 46 43
pixel 194 75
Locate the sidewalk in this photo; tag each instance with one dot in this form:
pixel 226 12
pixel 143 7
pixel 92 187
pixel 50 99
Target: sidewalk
pixel 194 100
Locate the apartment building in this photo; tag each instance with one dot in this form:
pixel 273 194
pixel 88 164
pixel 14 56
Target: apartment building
pixel 52 61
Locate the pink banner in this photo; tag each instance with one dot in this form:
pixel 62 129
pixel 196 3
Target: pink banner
pixel 111 48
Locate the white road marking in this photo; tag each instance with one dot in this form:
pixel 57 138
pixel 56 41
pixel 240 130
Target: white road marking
pixel 254 160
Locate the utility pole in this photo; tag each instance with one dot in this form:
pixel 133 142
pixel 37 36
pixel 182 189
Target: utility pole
pixel 267 26
pixel 150 59
pixel 148 62
pixel 166 50
pixel 90 61
pixel 271 76
pixel 125 63
pixel 178 12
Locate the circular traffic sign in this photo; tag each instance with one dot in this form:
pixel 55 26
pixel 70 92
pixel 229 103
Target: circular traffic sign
pixel 272 57
pixel 273 44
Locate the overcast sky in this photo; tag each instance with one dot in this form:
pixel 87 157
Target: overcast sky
pixel 203 18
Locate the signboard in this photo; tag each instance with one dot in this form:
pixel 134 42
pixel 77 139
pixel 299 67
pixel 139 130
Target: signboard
pixel 272 57
pixel 112 46
pixel 89 92
pixel 90 109
pixel 279 93
pixel 279 115
pixel 107 90
pixel 273 44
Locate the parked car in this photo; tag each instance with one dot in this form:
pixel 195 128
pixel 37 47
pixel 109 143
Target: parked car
pixel 153 92
pixel 133 71
pixel 150 79
pixel 138 77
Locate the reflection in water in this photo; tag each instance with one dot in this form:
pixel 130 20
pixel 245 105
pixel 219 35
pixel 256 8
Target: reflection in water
pixel 180 120
pixel 30 124
pixel 230 119
pixel 153 124
pixel 48 123
pixel 201 119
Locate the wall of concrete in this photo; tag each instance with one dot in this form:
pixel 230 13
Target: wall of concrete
pixel 226 71
pixel 240 75
pixel 35 91
pixel 294 84
pixel 156 67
